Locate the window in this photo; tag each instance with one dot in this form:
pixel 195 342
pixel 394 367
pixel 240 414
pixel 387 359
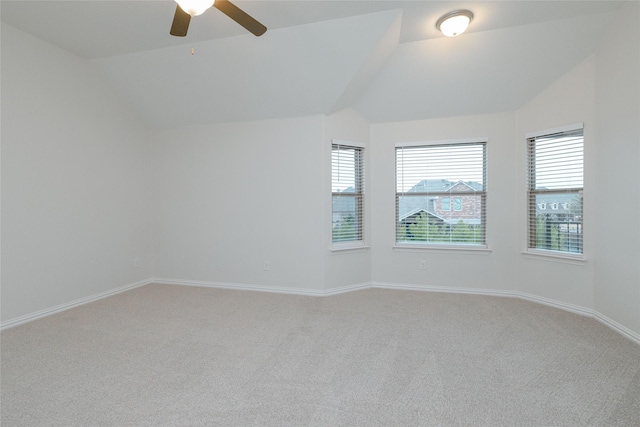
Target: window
pixel 441 193
pixel 457 204
pixel 555 180
pixel 347 190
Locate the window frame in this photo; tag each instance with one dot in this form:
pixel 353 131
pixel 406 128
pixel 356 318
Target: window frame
pixel 358 195
pixel 532 192
pixel 446 246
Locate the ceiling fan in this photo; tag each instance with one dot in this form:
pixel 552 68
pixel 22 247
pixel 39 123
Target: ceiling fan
pixel 188 8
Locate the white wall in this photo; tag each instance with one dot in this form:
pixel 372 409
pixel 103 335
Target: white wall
pixel 617 170
pixel 480 270
pixel 352 267
pixel 231 196
pixel 568 101
pixel 75 181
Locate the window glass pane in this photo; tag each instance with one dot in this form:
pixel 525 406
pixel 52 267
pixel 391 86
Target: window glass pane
pixel 347 188
pixel 436 167
pixel 346 218
pixel 426 179
pixel 558 162
pixel 344 169
pixel 556 169
pixel 558 222
pixel 420 221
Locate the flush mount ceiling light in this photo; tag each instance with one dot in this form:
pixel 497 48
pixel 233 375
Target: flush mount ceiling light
pixel 454 23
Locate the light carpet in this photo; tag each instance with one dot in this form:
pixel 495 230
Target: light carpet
pixel 164 355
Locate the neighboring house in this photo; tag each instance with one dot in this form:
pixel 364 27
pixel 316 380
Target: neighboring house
pixel 558 222
pixel 344 207
pixel 450 208
pixel 559 207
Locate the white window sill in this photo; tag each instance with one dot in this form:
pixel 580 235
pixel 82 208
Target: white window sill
pixel 462 249
pixel 553 256
pixel 348 247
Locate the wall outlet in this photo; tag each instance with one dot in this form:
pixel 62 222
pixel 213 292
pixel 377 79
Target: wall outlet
pixel 423 264
pixel 136 262
pixel 267 266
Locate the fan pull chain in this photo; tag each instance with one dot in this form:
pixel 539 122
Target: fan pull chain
pixel 192 51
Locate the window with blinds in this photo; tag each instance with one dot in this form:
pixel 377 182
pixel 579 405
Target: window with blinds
pixel 555 184
pixel 347 190
pixel 441 193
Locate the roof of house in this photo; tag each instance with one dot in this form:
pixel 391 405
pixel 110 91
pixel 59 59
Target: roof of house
pixel 407 206
pixel 450 221
pixel 442 185
pixel 417 212
pixel 557 203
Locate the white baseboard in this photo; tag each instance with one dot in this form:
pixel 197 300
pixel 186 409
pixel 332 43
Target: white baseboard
pixel 623 330
pixel 445 289
pixel 66 306
pixel 262 288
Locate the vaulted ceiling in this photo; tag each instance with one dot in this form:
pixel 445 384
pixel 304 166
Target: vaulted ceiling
pixel 384 58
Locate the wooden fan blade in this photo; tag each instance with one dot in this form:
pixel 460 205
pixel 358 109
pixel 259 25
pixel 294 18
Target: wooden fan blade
pixel 241 17
pixel 180 23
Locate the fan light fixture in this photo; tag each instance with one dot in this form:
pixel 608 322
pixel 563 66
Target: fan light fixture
pixel 195 7
pixel 454 23
pixel 185 9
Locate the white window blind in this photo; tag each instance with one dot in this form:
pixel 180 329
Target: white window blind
pixel 555 185
pixel 347 189
pixel 441 193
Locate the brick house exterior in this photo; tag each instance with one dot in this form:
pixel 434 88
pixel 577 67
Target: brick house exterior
pixel 459 202
pixel 464 206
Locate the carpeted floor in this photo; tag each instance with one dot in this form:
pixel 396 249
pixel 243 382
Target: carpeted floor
pixel 186 356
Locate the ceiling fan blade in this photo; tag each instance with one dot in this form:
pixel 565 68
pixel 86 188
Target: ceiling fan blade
pixel 180 23
pixel 241 17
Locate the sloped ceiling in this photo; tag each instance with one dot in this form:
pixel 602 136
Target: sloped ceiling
pixel 484 72
pixel 287 72
pixel 383 58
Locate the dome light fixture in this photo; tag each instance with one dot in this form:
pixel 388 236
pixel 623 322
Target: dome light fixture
pixel 454 23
